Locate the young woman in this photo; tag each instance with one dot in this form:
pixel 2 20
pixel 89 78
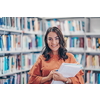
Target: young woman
pixel 54 54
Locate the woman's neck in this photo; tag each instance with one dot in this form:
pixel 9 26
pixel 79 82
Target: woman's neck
pixel 55 53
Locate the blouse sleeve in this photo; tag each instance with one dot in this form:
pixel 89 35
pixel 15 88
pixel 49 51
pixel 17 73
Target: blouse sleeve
pixel 78 79
pixel 35 73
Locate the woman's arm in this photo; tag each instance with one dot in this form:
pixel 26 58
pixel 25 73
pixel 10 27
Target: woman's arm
pixel 35 73
pixel 39 79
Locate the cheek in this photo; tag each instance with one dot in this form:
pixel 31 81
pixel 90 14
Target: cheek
pixel 58 46
pixel 48 43
pixel 58 41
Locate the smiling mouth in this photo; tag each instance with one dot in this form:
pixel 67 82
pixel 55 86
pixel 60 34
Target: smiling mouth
pixel 54 46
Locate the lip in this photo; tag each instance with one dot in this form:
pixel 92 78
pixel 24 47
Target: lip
pixel 54 46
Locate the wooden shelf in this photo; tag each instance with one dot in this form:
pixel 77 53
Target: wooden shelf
pixel 14 72
pixel 11 30
pixel 32 32
pixel 20 31
pixel 63 18
pixel 74 50
pixel 94 52
pixel 35 50
pixel 92 69
pixel 73 34
pixel 92 34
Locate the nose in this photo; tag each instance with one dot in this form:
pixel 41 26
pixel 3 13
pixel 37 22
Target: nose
pixel 54 41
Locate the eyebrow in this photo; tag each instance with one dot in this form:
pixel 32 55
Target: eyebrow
pixel 54 37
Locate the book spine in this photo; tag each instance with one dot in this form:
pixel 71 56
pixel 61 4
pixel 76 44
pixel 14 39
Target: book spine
pixel 0 44
pixel 0 22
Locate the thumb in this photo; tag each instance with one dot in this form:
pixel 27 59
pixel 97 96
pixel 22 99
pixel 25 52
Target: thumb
pixel 77 63
pixel 55 70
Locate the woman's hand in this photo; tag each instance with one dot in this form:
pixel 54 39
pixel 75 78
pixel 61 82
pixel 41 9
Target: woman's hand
pixel 58 77
pixel 50 76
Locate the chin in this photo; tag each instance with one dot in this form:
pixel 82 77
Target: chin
pixel 55 50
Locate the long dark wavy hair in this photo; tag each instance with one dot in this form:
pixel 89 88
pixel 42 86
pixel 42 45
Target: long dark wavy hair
pixel 62 49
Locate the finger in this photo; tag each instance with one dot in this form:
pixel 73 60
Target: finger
pixel 55 70
pixel 55 73
pixel 52 72
pixel 55 77
pixel 77 63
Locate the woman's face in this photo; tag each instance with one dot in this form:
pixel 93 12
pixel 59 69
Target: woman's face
pixel 53 42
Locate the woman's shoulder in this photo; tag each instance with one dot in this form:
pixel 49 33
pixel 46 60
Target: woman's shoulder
pixel 72 58
pixel 41 57
pixel 69 54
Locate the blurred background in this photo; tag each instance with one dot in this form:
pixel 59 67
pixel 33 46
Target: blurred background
pixel 21 42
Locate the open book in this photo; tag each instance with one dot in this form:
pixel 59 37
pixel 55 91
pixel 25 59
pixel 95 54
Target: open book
pixel 68 70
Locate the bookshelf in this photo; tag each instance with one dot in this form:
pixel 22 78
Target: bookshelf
pixel 20 45
pixel 87 28
pixel 76 29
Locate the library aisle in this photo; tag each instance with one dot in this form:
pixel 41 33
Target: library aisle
pixel 21 42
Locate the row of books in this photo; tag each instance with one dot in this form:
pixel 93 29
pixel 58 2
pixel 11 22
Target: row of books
pixel 67 26
pixel 92 77
pixel 93 61
pixel 13 63
pixel 93 43
pixel 32 41
pixel 10 42
pixel 79 58
pixel 29 59
pixel 74 42
pixel 20 78
pixel 21 23
pixel 13 42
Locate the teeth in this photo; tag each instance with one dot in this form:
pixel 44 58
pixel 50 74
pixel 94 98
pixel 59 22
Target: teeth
pixel 53 46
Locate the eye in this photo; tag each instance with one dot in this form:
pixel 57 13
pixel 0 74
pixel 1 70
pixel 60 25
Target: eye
pixel 49 38
pixel 57 38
